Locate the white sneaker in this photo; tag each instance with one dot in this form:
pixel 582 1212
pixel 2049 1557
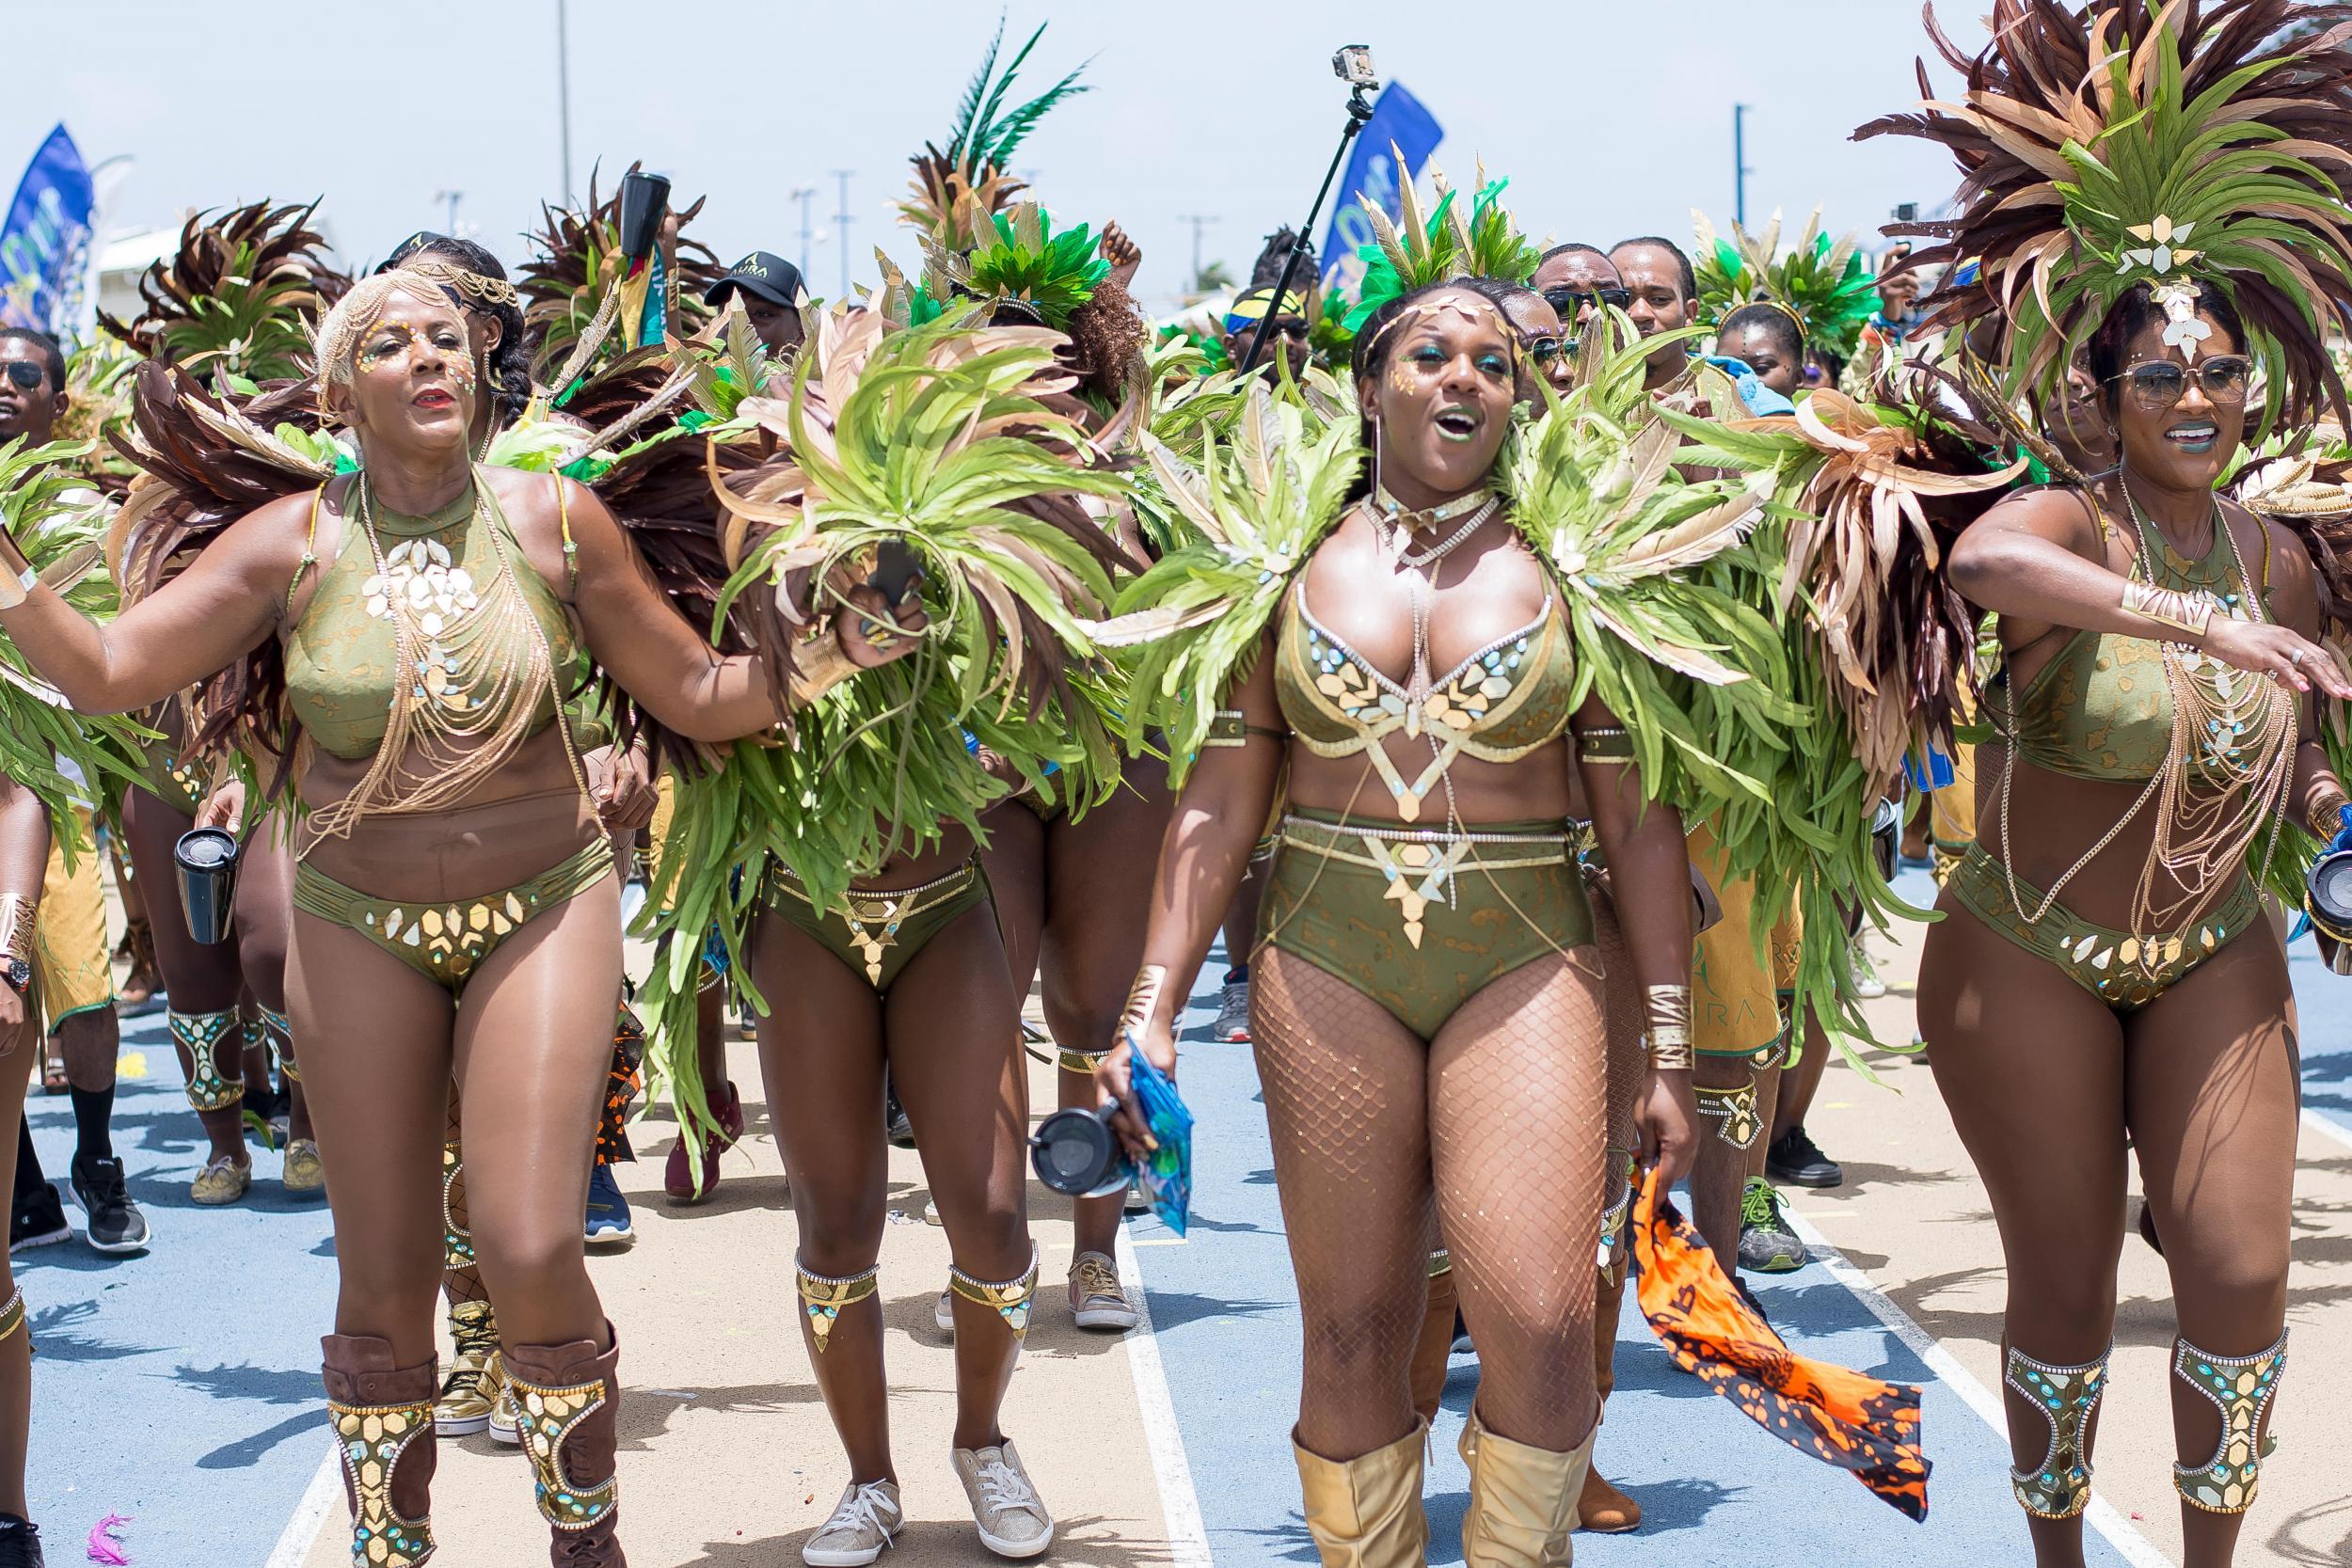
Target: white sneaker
pixel 863 1525
pixel 1096 1298
pixel 1866 984
pixel 944 1313
pixel 1232 1014
pixel 1013 1523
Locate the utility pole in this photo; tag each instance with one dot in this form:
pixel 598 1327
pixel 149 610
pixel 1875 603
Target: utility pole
pixel 1739 169
pixel 1199 222
pixel 842 217
pixel 803 194
pixel 563 89
pixel 452 198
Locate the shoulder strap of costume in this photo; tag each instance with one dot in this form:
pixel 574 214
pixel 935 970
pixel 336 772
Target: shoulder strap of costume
pixel 310 547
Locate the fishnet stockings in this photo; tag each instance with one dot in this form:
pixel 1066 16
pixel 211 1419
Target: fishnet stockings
pixel 461 1285
pixel 1629 1063
pixel 1497 1125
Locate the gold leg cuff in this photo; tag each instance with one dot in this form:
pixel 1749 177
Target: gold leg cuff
pixel 201 1035
pixel 824 1299
pixel 1009 1299
pixel 2241 1387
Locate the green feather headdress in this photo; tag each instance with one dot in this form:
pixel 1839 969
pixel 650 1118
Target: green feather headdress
pixel 1416 251
pixel 972 176
pixel 1017 255
pixel 1825 283
pixel 2172 145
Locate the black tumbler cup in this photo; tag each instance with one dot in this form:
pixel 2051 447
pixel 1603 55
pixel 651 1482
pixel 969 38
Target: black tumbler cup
pixel 207 859
pixel 1075 1152
pixel 645 197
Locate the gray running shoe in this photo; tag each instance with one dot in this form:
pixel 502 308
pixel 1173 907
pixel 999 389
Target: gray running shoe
pixel 1232 1014
pixel 1767 1245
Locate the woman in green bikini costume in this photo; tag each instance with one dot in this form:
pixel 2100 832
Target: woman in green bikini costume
pixel 454 898
pixel 1426 1001
pixel 2101 978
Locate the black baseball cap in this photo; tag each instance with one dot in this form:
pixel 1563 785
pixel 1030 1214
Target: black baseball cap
pixel 764 273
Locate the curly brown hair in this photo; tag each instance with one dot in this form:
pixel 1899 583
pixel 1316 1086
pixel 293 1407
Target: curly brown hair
pixel 1105 334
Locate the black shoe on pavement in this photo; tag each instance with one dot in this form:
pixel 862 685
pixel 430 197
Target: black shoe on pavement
pixel 112 1222
pixel 1797 1160
pixel 19 1543
pixel 38 1220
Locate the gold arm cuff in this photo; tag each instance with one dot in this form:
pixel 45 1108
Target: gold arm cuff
pixel 818 665
pixel 1667 1009
pixel 2167 608
pixel 17 919
pixel 2326 818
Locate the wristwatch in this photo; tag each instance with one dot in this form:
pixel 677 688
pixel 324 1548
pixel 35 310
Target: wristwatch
pixel 18 975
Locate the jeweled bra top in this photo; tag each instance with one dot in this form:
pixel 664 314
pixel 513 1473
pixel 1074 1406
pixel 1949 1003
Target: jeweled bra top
pixel 2102 708
pixel 339 656
pixel 1501 705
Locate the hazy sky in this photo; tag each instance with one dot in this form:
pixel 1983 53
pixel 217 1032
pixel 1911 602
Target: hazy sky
pixel 1610 120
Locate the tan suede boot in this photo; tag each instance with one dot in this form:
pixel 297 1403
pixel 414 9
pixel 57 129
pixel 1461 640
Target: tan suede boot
pixel 1366 1512
pixel 1601 1508
pixel 1523 1500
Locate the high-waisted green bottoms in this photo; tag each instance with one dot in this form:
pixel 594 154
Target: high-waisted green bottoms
pixel 877 931
pixel 2123 969
pixel 447 940
pixel 1420 920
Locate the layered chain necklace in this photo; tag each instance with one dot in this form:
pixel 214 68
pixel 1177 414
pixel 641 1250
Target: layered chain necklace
pixel 1397 526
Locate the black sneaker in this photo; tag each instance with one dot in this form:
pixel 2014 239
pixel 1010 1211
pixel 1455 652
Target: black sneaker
pixel 1797 1160
pixel 897 1125
pixel 112 1222
pixel 38 1220
pixel 19 1543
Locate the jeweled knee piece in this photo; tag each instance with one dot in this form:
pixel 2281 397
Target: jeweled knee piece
pixel 201 1035
pixel 543 1419
pixel 825 1299
pixel 372 1438
pixel 2240 1387
pixel 1735 1110
pixel 2066 1396
pixel 1009 1299
pixel 278 1031
pixel 12 1315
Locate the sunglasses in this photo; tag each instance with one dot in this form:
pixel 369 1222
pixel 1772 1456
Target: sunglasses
pixel 1543 349
pixel 1567 301
pixel 2160 384
pixel 26 375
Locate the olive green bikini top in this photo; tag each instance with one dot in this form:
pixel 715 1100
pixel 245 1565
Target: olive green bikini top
pixel 339 656
pixel 1499 705
pixel 2102 708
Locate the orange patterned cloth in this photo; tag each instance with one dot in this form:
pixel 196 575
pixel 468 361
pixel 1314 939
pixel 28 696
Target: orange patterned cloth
pixel 1840 1418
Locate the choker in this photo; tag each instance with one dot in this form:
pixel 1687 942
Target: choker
pixel 1399 516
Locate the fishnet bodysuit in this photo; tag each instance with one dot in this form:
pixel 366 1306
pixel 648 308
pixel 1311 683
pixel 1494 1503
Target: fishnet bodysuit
pixel 1495 1130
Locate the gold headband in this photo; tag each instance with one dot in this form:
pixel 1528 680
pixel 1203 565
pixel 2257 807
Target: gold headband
pixel 472 286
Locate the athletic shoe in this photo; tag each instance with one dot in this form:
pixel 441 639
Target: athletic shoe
pixel 223 1179
pixel 1013 1523
pixel 111 1223
pixel 1233 1013
pixel 305 1173
pixel 505 1420
pixel 1461 1345
pixel 476 1376
pixel 862 1524
pixel 1797 1160
pixel 1866 984
pixel 38 1220
pixel 944 1314
pixel 608 1210
pixel 677 1175
pixel 19 1543
pixel 1767 1245
pixel 1096 1298
pixel 896 1123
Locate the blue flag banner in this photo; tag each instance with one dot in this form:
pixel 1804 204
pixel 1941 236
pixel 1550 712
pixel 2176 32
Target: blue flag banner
pixel 1399 126
pixel 45 244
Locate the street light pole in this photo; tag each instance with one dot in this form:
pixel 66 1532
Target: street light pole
pixel 842 217
pixel 563 89
pixel 1199 222
pixel 452 198
pixel 804 194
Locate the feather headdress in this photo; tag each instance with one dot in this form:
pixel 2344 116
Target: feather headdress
pixel 2130 142
pixel 972 176
pixel 238 297
pixel 1416 251
pixel 1825 283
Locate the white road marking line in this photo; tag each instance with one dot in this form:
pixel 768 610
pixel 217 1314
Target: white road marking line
pixel 2321 1121
pixel 2104 1518
pixel 1180 1505
pixel 319 1501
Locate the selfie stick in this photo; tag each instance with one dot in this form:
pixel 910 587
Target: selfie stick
pixel 1360 81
